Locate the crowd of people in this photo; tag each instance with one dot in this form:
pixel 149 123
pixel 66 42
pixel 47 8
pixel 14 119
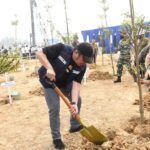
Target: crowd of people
pixel 25 51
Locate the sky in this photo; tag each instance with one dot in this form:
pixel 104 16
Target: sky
pixel 82 15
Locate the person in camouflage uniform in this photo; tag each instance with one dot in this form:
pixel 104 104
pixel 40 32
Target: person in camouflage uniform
pixel 141 58
pixel 125 56
pixel 144 42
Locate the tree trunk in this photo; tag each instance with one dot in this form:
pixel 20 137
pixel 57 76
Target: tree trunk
pixel 141 107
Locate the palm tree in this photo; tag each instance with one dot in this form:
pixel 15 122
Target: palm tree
pixel 108 32
pixel 67 26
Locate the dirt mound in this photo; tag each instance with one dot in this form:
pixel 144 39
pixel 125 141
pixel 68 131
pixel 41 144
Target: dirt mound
pixel 146 100
pixel 120 140
pixel 98 75
pixel 129 142
pixel 38 91
pixel 33 74
pixel 134 126
pixel 4 99
pixel 73 143
pixel 134 136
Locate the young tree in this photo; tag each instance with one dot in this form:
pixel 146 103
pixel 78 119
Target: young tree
pixel 103 17
pixel 106 31
pixel 108 35
pixel 105 9
pixel 133 26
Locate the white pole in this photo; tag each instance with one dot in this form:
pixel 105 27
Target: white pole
pixel 8 89
pixel 111 41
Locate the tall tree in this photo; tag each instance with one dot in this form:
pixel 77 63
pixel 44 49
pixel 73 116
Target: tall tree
pixel 67 25
pixel 32 5
pixel 48 7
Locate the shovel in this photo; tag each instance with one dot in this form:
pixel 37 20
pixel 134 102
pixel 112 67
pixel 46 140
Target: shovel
pixel 90 133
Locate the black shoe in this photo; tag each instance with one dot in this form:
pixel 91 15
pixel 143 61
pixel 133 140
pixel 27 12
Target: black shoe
pixel 58 144
pixel 71 130
pixel 117 80
pixel 135 80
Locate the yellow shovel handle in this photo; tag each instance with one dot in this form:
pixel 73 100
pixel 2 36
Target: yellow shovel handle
pixel 67 102
pixel 65 99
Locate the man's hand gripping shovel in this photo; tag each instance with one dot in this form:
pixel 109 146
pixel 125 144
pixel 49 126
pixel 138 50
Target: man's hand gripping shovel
pixel 90 132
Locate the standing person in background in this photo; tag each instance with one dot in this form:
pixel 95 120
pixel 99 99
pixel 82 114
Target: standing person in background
pixel 75 42
pixel 95 51
pixel 141 38
pixel 143 42
pixel 147 64
pixel 125 56
pixel 141 58
pixel 66 67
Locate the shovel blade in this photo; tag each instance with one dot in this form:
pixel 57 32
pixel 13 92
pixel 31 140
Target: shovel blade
pixel 93 135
